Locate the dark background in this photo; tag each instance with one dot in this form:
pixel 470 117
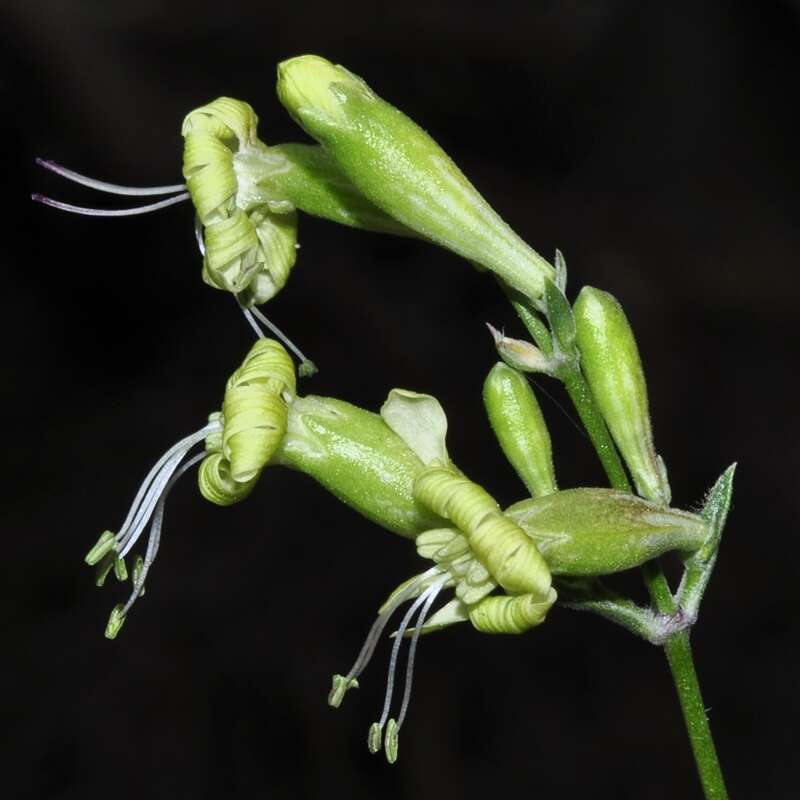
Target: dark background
pixel 656 144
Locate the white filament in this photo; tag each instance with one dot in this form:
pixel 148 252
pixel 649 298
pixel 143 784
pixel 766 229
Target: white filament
pixel 431 590
pixel 104 186
pixel 412 651
pixel 154 538
pixel 253 314
pixel 105 212
pixel 153 486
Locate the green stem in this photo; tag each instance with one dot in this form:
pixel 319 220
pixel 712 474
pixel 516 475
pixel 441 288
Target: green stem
pixel 679 656
pixel 677 647
pixel 581 396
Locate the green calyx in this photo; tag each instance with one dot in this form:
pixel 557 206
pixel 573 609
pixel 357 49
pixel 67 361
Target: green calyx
pixel 587 531
pixel 254 415
pixel 359 458
pixel 401 169
pixel 612 366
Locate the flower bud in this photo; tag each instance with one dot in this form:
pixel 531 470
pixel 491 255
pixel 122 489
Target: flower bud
pixel 400 168
pixel 602 531
pixel 356 456
pixel 521 355
pixel 517 421
pixel 610 360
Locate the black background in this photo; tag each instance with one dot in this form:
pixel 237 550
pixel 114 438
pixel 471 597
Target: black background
pixel 655 144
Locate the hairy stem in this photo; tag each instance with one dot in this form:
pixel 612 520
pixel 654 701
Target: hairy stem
pixel 681 664
pixel 677 647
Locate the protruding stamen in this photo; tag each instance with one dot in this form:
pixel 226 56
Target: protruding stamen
pixel 373 637
pixel 412 651
pixel 111 188
pixel 154 540
pixel 396 648
pixel 153 485
pixel 307 367
pixel 109 212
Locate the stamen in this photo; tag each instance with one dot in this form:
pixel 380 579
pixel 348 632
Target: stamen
pixel 342 683
pixel 105 212
pixel 154 538
pixel 103 186
pixel 153 484
pixel 307 367
pixel 412 652
pixel 396 648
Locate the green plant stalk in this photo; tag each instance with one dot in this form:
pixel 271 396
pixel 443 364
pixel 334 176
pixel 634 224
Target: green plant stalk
pixel 677 648
pixel 581 396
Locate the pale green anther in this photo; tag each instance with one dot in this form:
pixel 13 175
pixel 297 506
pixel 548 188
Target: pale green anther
pixel 254 417
pixel 375 738
pixel 517 421
pixel 136 573
pixel 602 531
pixel 390 742
pixel 103 568
pixel 120 569
pixel 610 360
pixel 105 544
pixel 341 685
pixel 115 621
pixel 356 456
pixel 402 170
pixel 522 355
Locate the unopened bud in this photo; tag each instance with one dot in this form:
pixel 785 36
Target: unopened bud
pixel 521 355
pixel 520 428
pixel 601 531
pixel 610 360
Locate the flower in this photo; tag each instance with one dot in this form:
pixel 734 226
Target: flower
pixel 483 551
pixel 403 171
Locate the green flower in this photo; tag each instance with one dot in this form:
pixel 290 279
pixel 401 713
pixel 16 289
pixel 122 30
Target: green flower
pixel 484 551
pixel 401 169
pixel 239 442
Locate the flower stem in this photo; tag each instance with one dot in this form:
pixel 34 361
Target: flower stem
pixel 677 647
pixel 583 400
pixel 681 664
